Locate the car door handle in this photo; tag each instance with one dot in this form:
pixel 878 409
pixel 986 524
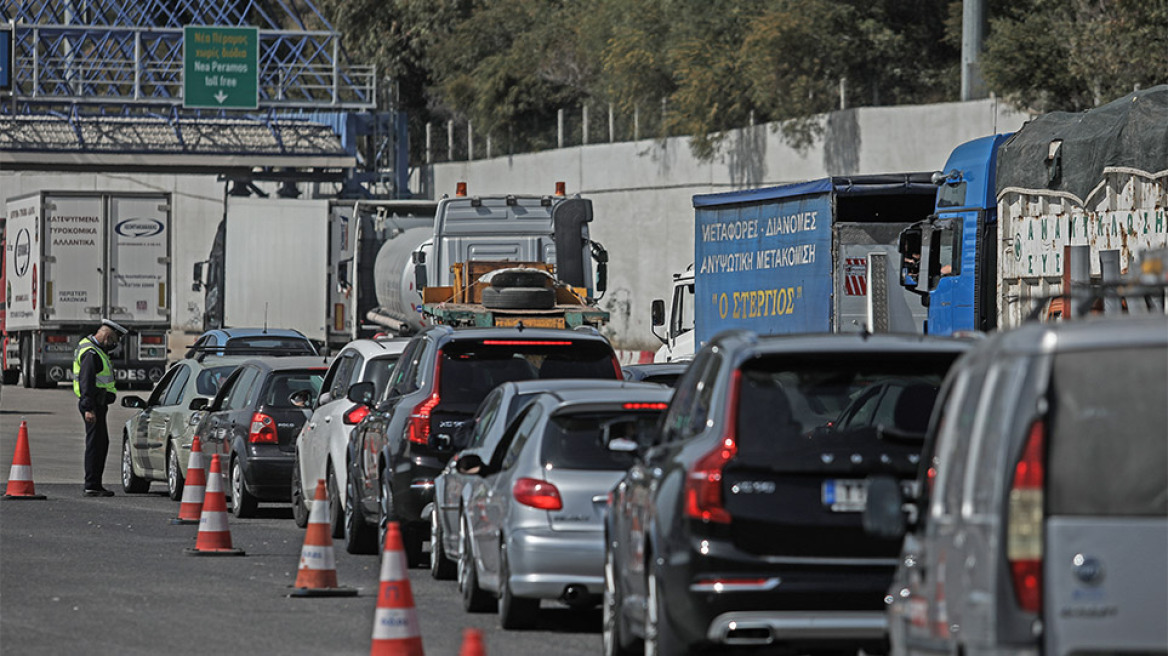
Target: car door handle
pixel 327 420
pixel 312 426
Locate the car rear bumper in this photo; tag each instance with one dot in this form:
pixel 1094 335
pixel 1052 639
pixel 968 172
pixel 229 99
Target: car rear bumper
pixel 270 478
pixel 764 628
pixel 546 563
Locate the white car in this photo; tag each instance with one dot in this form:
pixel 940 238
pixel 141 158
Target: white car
pixel 323 443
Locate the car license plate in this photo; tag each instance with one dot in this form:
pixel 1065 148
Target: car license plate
pixel 845 495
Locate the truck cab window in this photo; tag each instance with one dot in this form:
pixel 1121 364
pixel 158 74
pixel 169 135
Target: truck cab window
pixel 682 318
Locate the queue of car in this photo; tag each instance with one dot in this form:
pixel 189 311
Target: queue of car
pixel 814 493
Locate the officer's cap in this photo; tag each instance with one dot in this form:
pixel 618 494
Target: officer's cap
pixel 121 330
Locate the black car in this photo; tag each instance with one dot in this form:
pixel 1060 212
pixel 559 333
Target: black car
pixel 662 373
pixel 253 423
pixel 745 511
pixel 396 451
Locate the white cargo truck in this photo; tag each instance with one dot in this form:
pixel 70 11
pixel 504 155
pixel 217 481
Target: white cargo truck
pixel 306 265
pixel 73 258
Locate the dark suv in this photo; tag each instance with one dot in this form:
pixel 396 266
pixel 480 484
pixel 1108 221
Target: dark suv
pixel 404 443
pixel 745 512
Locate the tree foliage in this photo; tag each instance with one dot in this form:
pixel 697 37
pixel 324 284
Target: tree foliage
pixel 1076 54
pixel 507 66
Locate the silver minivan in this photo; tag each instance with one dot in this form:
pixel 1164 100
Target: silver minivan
pixel 1041 512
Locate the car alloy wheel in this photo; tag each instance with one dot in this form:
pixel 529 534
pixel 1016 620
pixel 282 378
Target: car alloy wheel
pixel 174 477
pixel 300 509
pixel 613 632
pixel 336 512
pixel 359 534
pixel 243 504
pixel 474 598
pixel 131 482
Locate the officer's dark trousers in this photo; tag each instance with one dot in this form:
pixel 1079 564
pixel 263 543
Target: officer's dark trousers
pixel 96 448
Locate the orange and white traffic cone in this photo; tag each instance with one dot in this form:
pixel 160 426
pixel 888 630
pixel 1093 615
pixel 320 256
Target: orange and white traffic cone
pixel 191 508
pixel 318 564
pixel 20 485
pixel 214 536
pixel 395 624
pixel 472 643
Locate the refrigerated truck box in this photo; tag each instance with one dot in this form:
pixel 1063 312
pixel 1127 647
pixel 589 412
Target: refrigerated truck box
pixel 74 258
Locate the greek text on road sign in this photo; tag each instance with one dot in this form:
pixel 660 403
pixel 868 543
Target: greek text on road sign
pixel 220 67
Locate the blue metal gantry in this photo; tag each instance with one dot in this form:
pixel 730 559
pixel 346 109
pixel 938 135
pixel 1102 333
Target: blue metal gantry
pixel 106 76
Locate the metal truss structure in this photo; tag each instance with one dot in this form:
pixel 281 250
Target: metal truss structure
pixel 106 77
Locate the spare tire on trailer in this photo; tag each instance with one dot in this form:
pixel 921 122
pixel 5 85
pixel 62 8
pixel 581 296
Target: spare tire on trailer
pixel 519 298
pixel 519 278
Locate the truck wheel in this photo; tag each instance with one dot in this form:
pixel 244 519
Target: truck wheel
pixel 519 279
pixel 519 298
pixel 11 376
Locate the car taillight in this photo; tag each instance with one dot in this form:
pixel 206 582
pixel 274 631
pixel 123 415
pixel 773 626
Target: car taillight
pixel 620 373
pixel 703 484
pixel 356 414
pixel 537 494
pixel 645 406
pixel 418 429
pixel 1024 526
pixel 263 430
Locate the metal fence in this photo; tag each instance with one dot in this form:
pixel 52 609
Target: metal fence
pixel 580 125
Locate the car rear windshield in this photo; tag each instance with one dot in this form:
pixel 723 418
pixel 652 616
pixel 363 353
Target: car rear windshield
pixel 261 344
pixel 811 404
pixel 286 383
pixel 575 441
pixel 471 369
pixel 209 380
pixel 1108 450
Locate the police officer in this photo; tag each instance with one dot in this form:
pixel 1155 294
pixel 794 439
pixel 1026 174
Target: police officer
pixel 93 383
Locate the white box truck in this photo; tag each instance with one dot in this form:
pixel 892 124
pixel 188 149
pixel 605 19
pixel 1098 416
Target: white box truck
pixel 303 264
pixel 73 258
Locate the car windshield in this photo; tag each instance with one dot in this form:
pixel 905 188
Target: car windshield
pixel 574 441
pixel 286 383
pixel 211 378
pixel 378 372
pixel 810 404
pixel 471 369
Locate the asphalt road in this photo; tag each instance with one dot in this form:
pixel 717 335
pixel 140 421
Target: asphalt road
pixel 108 575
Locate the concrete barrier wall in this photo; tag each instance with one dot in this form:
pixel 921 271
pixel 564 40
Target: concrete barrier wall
pixel 642 191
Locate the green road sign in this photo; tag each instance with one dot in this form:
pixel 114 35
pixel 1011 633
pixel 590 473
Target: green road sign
pixel 221 67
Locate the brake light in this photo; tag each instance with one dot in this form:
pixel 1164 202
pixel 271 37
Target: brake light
pixel 703 485
pixel 537 494
pixel 418 430
pixel 1024 548
pixel 355 415
pixel 57 339
pixel 645 406
pixel 263 430
pixel 151 339
pixel 522 342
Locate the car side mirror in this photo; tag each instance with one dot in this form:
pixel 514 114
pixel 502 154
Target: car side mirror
pixel 362 392
pixel 657 312
pixel 471 464
pixel 884 511
pixel 197 403
pixel 133 402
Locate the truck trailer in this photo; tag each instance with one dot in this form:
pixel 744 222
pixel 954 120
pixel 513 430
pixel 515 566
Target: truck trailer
pixel 808 257
pixel 307 265
pixel 1070 199
pixel 74 258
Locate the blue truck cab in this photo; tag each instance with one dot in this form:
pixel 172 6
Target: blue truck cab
pixel 958 243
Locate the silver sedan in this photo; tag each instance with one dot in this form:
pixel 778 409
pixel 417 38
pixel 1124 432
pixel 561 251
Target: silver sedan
pixel 535 528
